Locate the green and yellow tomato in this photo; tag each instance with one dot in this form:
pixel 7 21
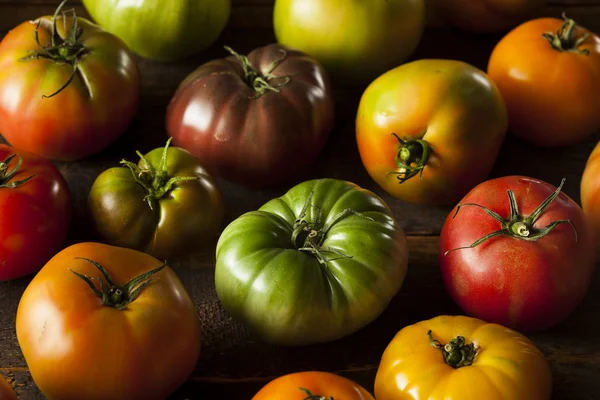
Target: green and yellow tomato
pixel 312 266
pixel 430 130
pixel 164 205
pixel 356 40
pixel 162 30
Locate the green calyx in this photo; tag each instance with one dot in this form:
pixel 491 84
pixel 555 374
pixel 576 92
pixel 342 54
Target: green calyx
pixel 309 236
pixel 566 38
pixel 310 396
pixel 457 353
pixel 6 175
pixel 261 83
pixel 411 158
pixel 63 51
pixel 518 226
pixel 156 181
pixel 113 295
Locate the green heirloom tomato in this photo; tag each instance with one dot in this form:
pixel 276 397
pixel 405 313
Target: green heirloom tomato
pixel 355 40
pixel 162 30
pixel 312 266
pixel 165 205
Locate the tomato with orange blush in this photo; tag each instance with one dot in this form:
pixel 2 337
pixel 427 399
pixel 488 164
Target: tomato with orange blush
pixel 312 385
pixel 590 190
pixel 548 71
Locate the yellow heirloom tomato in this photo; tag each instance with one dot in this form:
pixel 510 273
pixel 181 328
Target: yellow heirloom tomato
pixel 462 358
pixel 355 40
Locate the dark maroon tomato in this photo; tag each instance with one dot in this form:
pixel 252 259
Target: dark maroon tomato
pixel 258 120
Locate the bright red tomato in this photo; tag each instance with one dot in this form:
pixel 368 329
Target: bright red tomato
pixel 96 104
pixel 35 212
pixel 536 263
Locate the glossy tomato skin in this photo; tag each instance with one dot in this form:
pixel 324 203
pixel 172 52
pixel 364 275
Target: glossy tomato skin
pixel 590 191
pixel 508 366
pixel 525 285
pixel 384 33
pixel 85 117
pixel 548 109
pixel 282 293
pixel 35 214
pixel 6 391
pixel 318 383
pixel 78 348
pixel 255 140
pixel 451 105
pixel 186 219
pixel 482 16
pixel 163 30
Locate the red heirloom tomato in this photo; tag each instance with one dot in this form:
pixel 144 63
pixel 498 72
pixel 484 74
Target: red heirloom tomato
pixel 312 385
pixel 430 130
pixel 548 72
pixel 6 391
pixel 517 252
pixel 35 212
pixel 482 15
pixel 590 191
pixel 68 89
pixel 257 120
pixel 107 323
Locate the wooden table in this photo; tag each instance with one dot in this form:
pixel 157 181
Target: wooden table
pixel 234 364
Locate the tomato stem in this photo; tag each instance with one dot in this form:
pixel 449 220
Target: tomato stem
pixel 113 295
pixel 261 82
pixel 6 175
pixel 412 157
pixel 518 226
pixel 62 51
pixel 310 396
pixel 565 38
pixel 156 181
pixel 457 353
pixel 309 236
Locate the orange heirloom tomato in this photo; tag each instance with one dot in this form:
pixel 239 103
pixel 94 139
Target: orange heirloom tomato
pixel 548 72
pixel 482 15
pixel 312 385
pixel 430 130
pixel 590 191
pixel 100 322
pixel 6 391
pixel 457 358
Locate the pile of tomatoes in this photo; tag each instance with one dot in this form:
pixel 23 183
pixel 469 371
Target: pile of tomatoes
pixel 516 254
